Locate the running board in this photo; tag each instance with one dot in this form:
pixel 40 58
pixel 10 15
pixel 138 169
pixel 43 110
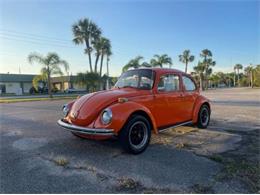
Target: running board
pixel 181 124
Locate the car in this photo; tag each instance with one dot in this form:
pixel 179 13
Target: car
pixel 142 102
pixel 72 90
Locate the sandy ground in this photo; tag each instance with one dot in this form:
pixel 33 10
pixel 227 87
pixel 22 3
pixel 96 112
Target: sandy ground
pixel 37 156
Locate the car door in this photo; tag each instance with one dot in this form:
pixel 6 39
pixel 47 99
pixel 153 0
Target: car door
pixel 190 94
pixel 167 101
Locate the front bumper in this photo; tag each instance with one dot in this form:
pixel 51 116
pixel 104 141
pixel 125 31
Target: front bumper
pixel 85 130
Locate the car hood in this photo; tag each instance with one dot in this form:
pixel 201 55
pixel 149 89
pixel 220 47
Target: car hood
pixel 86 109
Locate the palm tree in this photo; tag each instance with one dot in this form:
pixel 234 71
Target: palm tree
pixel 86 32
pixel 97 45
pixel 105 49
pixel 50 65
pixel 160 60
pixel 108 54
pixel 199 70
pixel 234 76
pixel 186 58
pixel 249 70
pixel 238 67
pixel 214 78
pixel 90 79
pixel 208 62
pixel 135 63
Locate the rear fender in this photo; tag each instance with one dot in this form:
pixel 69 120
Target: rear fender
pixel 199 102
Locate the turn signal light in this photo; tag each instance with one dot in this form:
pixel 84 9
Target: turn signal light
pixel 122 100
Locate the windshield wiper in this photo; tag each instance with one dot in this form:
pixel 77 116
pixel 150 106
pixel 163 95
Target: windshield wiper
pixel 128 86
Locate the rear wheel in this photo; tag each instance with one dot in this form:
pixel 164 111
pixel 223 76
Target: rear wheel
pixel 203 117
pixel 135 135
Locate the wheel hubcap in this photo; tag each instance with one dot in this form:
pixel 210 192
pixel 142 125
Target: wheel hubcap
pixel 138 134
pixel 204 116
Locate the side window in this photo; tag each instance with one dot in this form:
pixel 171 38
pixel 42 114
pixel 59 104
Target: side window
pixel 188 83
pixel 169 83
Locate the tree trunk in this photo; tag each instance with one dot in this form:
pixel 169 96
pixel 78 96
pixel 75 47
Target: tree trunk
pixel 89 55
pixel 96 62
pixel 201 83
pixel 206 81
pixel 100 72
pixel 251 78
pixel 186 66
pixel 107 84
pixel 234 79
pixel 49 82
pixel 238 78
pixel 101 64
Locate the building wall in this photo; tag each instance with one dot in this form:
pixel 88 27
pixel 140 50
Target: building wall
pixel 13 87
pixel 26 87
pixel 66 85
pixel 79 86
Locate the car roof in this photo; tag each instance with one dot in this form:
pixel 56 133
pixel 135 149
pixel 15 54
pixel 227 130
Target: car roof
pixel 164 70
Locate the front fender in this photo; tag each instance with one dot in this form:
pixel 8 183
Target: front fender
pixel 121 113
pixel 199 101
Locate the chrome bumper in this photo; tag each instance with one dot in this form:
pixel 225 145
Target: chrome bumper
pixel 85 130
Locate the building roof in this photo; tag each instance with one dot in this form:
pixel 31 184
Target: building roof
pixel 29 78
pixel 63 79
pixel 16 77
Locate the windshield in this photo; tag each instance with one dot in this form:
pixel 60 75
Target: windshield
pixel 139 78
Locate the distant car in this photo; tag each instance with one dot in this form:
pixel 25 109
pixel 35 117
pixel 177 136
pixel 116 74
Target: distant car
pixel 143 101
pixel 72 90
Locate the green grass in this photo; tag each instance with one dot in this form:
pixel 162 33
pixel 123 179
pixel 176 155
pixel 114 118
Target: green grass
pixel 13 100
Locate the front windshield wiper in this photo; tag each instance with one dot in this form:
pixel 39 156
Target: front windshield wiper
pixel 128 86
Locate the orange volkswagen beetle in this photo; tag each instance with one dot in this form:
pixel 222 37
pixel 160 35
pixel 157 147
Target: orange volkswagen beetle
pixel 141 102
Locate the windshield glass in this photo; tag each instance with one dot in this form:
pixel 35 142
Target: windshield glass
pixel 139 78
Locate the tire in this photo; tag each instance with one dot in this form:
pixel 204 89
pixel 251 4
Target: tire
pixel 135 135
pixel 203 117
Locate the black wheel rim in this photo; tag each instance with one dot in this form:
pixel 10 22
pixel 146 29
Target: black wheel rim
pixel 204 117
pixel 138 135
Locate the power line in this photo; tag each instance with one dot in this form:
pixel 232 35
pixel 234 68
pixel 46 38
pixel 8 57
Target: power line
pixel 34 41
pixel 34 35
pixel 41 40
pixel 37 37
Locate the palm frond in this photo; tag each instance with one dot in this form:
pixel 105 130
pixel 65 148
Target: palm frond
pixel 35 57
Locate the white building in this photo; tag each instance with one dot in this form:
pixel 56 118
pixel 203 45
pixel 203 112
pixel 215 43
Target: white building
pixel 15 83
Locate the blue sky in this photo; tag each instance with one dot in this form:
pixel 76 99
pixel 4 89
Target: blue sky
pixel 230 29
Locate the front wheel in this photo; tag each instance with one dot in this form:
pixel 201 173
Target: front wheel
pixel 203 117
pixel 135 135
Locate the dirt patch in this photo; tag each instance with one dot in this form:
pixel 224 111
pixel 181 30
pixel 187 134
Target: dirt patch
pixel 61 161
pixel 242 164
pixel 168 137
pixel 130 185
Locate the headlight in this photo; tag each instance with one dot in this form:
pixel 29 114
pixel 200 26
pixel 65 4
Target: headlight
pixel 65 109
pixel 106 116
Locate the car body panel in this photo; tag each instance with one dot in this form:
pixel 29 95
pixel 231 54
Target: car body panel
pixel 163 109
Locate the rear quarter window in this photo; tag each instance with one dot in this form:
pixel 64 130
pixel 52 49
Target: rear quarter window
pixel 188 83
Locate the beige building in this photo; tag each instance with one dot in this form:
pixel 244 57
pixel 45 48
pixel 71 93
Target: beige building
pixel 62 83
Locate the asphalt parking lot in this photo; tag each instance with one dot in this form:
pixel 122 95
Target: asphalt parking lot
pixel 37 156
